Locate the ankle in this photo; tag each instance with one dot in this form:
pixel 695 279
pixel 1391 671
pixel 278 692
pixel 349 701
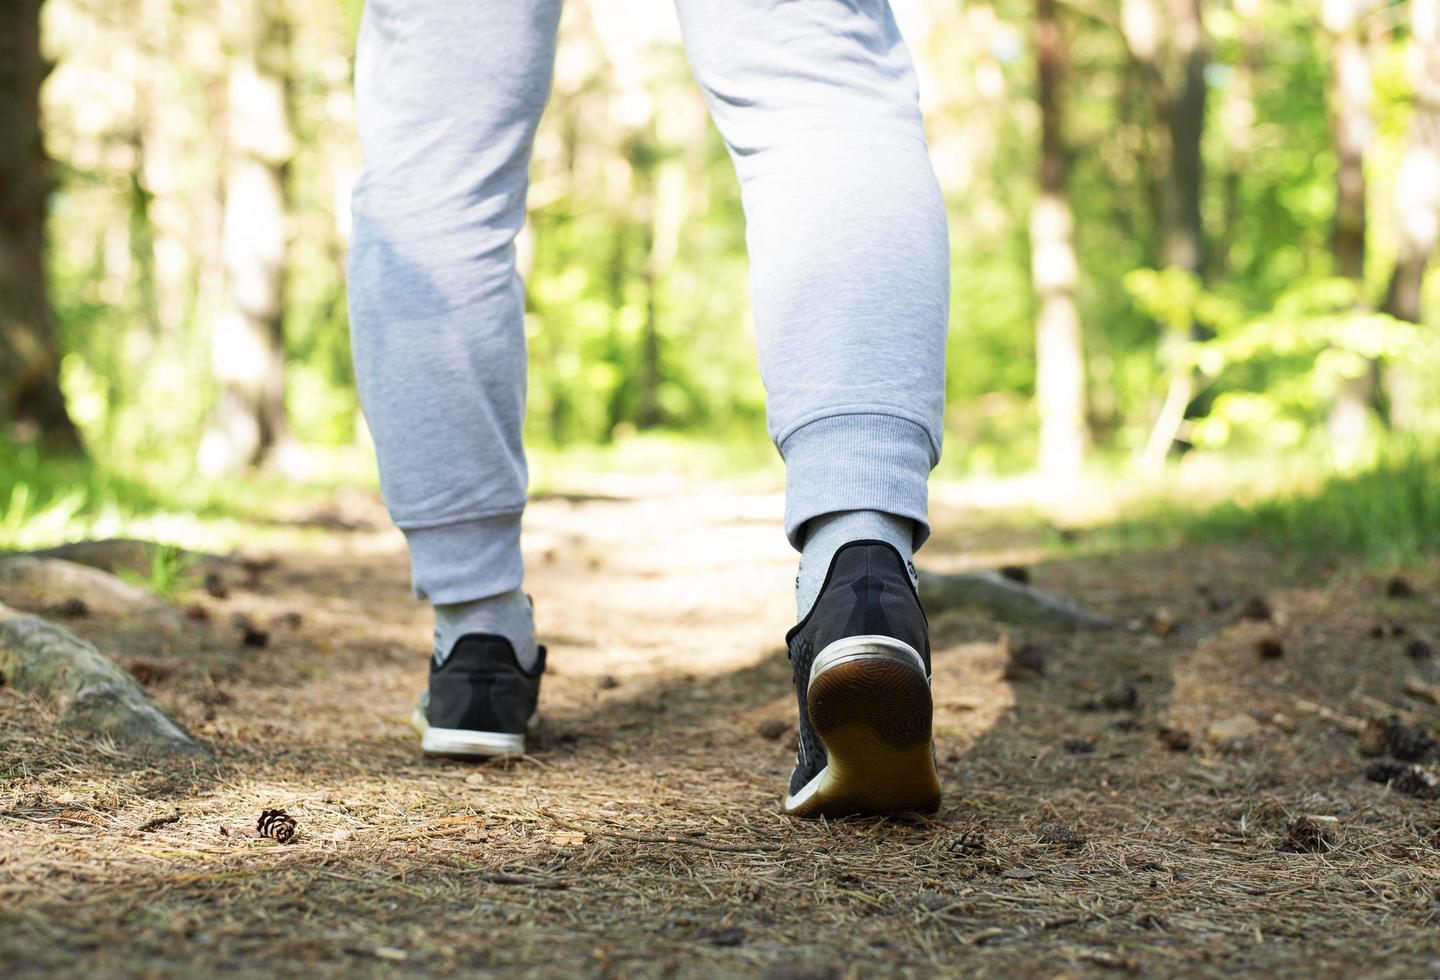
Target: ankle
pixel 828 533
pixel 509 615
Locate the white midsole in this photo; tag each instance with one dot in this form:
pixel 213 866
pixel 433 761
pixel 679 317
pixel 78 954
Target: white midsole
pixel 843 651
pixel 463 741
pixel 865 647
pixel 808 790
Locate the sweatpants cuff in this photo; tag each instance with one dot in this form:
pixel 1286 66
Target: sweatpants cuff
pixel 857 462
pixel 466 561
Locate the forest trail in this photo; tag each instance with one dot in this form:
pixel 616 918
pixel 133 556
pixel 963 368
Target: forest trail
pixel 1186 794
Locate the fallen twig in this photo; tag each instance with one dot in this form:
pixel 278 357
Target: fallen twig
pixel 172 817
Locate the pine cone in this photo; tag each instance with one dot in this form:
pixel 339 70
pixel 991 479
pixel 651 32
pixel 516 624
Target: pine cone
pixel 276 824
pixel 1411 744
pixel 1375 737
pixel 1423 784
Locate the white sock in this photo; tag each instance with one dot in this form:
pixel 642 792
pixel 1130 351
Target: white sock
pixel 828 533
pixel 509 614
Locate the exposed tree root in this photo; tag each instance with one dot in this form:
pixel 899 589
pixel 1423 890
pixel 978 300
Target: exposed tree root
pixel 128 554
pixel 47 581
pixel 1006 600
pixel 94 693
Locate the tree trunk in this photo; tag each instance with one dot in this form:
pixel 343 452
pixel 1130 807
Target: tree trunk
pixel 1059 353
pixel 247 347
pixel 1417 196
pixel 1352 130
pixel 31 404
pixel 1170 46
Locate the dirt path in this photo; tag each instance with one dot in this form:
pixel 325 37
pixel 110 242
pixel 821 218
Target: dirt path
pixel 643 838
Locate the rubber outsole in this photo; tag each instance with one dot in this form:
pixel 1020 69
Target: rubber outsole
pixel 873 714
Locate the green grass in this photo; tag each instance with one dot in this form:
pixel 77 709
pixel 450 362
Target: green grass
pixel 1385 514
pixel 1388 514
pixel 46 500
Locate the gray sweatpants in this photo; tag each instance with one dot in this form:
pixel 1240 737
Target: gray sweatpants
pixel 816 100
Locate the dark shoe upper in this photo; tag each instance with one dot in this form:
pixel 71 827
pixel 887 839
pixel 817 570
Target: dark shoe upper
pixel 481 687
pixel 866 592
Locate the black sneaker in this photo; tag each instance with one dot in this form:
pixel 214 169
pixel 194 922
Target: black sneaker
pixel 480 701
pixel 861 659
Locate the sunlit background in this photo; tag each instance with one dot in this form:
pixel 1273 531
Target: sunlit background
pixel 1190 251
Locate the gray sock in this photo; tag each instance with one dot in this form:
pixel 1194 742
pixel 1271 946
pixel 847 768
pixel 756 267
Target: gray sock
pixel 509 615
pixel 828 533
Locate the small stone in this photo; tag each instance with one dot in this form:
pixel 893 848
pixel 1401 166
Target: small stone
pixel 1121 696
pixel 773 729
pixel 1027 662
pixel 1399 588
pixel 1419 650
pixel 728 936
pixel 1269 648
pixel 215 586
pixel 1175 739
pixel 1234 729
pixel 1385 629
pixel 1256 608
pixel 1374 738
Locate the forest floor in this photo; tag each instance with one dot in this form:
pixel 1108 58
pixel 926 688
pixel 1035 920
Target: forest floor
pixel 1185 794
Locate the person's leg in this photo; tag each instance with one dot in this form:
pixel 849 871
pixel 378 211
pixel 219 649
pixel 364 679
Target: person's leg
pixel 850 278
pixel 849 257
pixel 449 94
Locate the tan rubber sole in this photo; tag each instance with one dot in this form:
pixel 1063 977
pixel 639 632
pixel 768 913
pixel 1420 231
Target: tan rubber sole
pixel 874 716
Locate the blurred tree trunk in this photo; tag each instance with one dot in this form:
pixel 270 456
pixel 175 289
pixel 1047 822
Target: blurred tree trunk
pixel 1170 46
pixel 1059 352
pixel 30 396
pixel 1417 197
pixel 248 349
pixel 1417 185
pixel 1352 131
pixel 667 202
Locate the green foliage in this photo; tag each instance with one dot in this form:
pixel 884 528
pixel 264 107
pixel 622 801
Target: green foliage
pixel 1272 374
